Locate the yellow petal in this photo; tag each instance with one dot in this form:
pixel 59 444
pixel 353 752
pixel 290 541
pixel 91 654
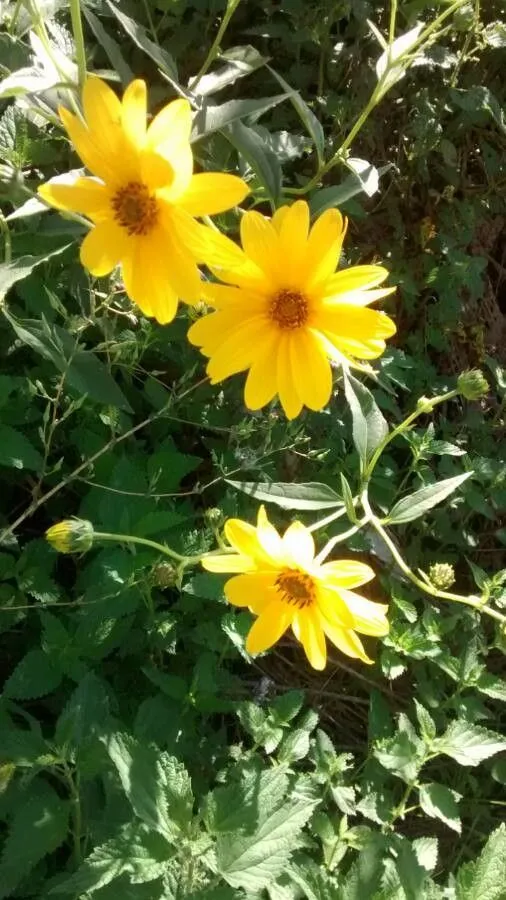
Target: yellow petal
pixel 356 278
pixel 293 234
pixel 298 545
pixel 346 641
pixel 355 323
pixel 311 370
pixel 209 193
pixel 157 174
pixel 346 573
pixel 332 608
pixel 278 217
pixel 170 127
pixel 356 298
pixel 208 332
pixel 288 396
pixel 312 638
pixel 205 244
pixel 226 297
pixel 156 167
pixel 103 248
pixel 147 278
pixel 91 154
pixel 243 538
pixel 103 114
pixel 238 350
pixel 181 267
pixel 85 196
pixel 324 247
pixel 228 563
pixel 255 591
pixel 134 111
pixel 269 627
pixel 261 384
pixel 368 617
pixel 260 242
pixel 269 538
pixel 356 349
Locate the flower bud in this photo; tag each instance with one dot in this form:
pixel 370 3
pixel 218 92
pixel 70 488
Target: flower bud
pixel 214 515
pixel 472 384
pixel 164 575
pixel 71 536
pixel 442 576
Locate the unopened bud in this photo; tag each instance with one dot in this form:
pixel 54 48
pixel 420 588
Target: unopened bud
pixel 71 536
pixel 213 515
pixel 442 576
pixel 472 384
pixel 164 575
pixel 197 310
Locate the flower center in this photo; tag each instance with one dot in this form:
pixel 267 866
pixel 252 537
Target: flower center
pixel 289 309
pixel 296 587
pixel 135 208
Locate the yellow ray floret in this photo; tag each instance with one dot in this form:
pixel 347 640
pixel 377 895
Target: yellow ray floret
pixel 144 197
pixel 280 581
pixel 283 311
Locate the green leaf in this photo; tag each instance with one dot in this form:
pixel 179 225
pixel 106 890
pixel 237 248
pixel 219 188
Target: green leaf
pixel 84 371
pixel 157 785
pixel 17 451
pixel 135 851
pixel 138 34
pixel 415 505
pixel 110 46
pixel 34 676
pixel 440 802
pixel 85 713
pixel 239 62
pixel 399 755
pixel 348 499
pixel 312 495
pixel 306 115
pixel 469 744
pixel 337 194
pixel 495 34
pixel 214 117
pixel 485 878
pixel 20 268
pixel 252 861
pixel 250 144
pixel 236 807
pixel 369 426
pixel 38 827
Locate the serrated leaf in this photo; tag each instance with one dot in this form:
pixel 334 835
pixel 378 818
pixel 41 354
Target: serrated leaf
pixel 38 827
pixel 416 504
pixel 312 495
pixel 238 807
pixel 214 117
pixel 250 144
pixel 485 878
pixel 469 744
pixel 16 450
pixel 253 861
pixel 156 784
pixel 135 851
pixel 441 802
pixel 369 425
pixel 399 755
pixel 34 676
pixel 426 850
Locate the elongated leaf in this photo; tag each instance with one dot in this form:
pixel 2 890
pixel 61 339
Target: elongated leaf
pixel 329 197
pixel 312 495
pixel 306 115
pixel 20 268
pixel 214 117
pixel 239 61
pixel 264 162
pixel 416 504
pixel 440 802
pixel 109 45
pixel 138 34
pixel 369 426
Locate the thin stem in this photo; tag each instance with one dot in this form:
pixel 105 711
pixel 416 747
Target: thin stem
pixel 338 538
pixel 215 46
pixel 471 600
pixel 77 28
pixel 423 407
pixel 15 15
pixel 4 228
pixel 393 17
pixel 328 519
pixel 145 542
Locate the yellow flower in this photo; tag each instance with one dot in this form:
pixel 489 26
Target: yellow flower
pixel 285 586
pixel 144 197
pixel 285 311
pixel 70 536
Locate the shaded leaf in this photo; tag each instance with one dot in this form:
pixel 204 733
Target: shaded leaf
pixel 418 503
pixel 312 495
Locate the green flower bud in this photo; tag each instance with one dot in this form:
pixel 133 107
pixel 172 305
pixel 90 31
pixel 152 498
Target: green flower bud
pixel 71 536
pixel 213 515
pixel 472 384
pixel 164 575
pixel 442 576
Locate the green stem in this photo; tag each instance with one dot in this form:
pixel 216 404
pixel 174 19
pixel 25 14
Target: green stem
pixel 215 46
pixel 15 15
pixel 4 228
pixel 77 28
pixel 424 406
pixel 475 602
pixel 393 17
pixel 338 538
pixel 328 519
pixel 145 542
